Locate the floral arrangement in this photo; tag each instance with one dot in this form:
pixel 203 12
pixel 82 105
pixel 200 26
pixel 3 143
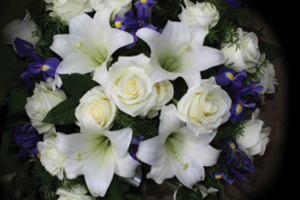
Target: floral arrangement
pixel 110 93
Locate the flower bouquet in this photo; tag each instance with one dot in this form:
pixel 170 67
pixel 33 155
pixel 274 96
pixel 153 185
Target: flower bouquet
pixel 110 94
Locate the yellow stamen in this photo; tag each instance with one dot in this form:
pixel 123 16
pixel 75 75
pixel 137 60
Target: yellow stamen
pixel 239 109
pixel 143 1
pixel 230 75
pixel 118 24
pixel 45 67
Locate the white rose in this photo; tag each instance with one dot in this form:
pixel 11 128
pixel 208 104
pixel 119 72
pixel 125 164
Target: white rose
pixel 77 193
pixel 254 139
pixel 130 86
pixel 117 6
pixel 203 14
pixel 68 9
pixel 97 104
pixel 41 102
pixel 165 92
pixel 267 80
pixel 204 107
pixel 25 29
pixel 51 158
pixel 244 54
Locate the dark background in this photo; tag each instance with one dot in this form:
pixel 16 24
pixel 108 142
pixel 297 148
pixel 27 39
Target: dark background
pixel 283 16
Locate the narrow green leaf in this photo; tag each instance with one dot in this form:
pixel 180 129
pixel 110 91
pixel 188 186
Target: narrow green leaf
pixel 184 193
pixel 77 85
pixel 63 113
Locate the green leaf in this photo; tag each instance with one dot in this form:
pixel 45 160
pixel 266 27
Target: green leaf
pixel 114 191
pixel 77 85
pixel 184 193
pixel 63 113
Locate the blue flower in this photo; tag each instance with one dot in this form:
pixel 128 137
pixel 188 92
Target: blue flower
pixel 23 47
pixel 144 8
pixel 26 137
pixel 235 3
pixel 46 66
pixel 238 109
pixel 132 23
pixel 234 162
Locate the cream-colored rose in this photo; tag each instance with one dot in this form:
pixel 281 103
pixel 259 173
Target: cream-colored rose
pixel 165 92
pixel 244 54
pixel 204 107
pixel 68 9
pixel 41 102
pixel 254 139
pixel 51 158
pixel 203 14
pixel 25 29
pixel 97 104
pixel 130 86
pixel 79 192
pixel 267 80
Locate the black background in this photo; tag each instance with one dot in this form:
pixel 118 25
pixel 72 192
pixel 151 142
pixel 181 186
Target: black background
pixel 283 16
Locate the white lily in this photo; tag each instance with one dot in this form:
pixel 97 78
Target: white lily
pixel 179 52
pixel 176 151
pixel 89 45
pixel 97 154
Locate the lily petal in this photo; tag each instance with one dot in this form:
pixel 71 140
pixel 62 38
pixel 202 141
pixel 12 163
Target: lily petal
pixel 169 120
pixel 120 140
pixel 77 63
pixel 62 45
pixel 99 171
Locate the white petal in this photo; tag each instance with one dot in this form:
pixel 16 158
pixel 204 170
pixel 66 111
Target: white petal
pixel 85 32
pixel 62 45
pixel 175 36
pixel 74 146
pixel 169 120
pixel 99 171
pixel 151 151
pixel 74 168
pixel 89 126
pixel 187 176
pixel 192 79
pixel 201 59
pixel 160 173
pixel 126 166
pixel 198 35
pixel 101 74
pixel 120 141
pixel 151 37
pixel 77 63
pixel 115 39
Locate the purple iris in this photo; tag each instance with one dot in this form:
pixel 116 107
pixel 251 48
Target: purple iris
pixel 235 3
pixel 238 90
pixel 234 162
pixel 26 137
pixel 144 8
pixel 135 144
pixel 23 47
pixel 132 23
pixel 46 66
pixel 238 109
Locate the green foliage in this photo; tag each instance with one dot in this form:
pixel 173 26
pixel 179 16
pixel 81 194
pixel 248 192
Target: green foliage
pixel 63 113
pixel 47 25
pixel 227 130
pixel 184 193
pixel 139 125
pixel 76 85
